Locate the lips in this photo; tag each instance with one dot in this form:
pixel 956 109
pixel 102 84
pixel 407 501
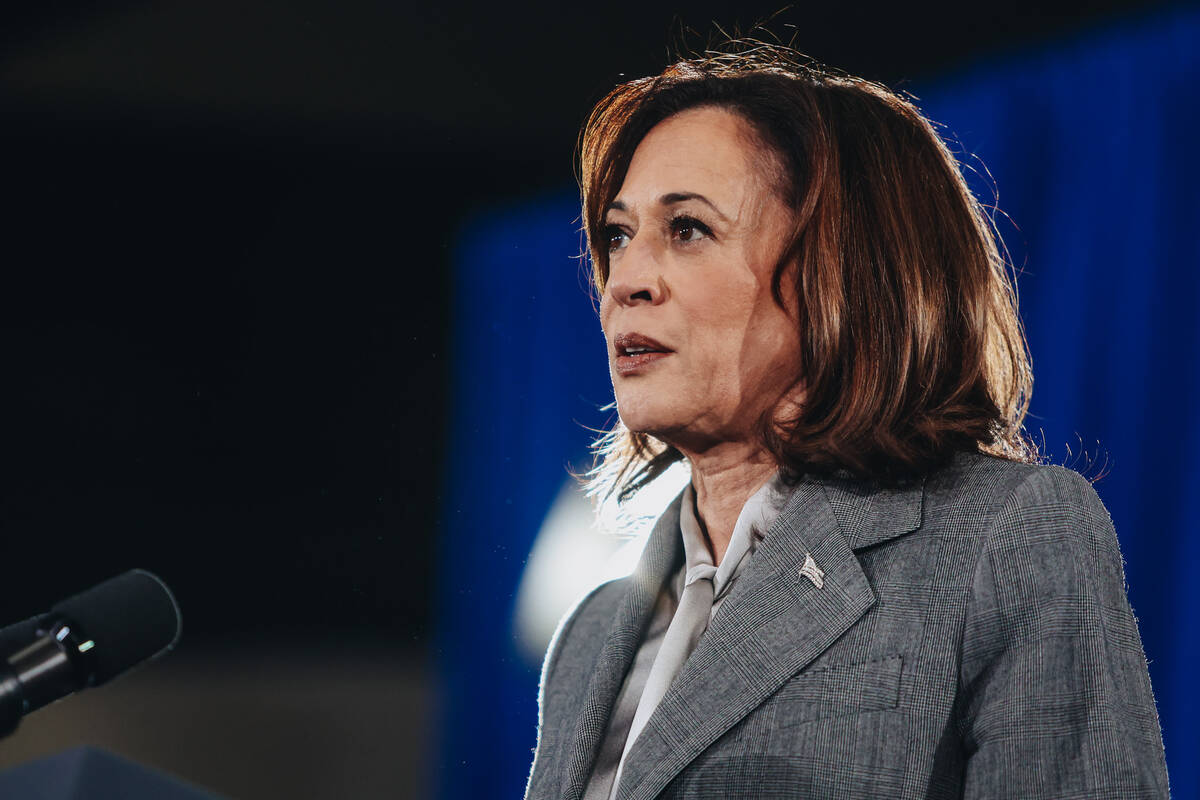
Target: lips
pixel 634 343
pixel 636 352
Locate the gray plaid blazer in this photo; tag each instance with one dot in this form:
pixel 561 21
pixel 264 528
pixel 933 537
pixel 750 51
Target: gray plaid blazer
pixel 972 639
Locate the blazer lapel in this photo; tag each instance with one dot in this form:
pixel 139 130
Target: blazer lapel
pixel 662 555
pixel 774 623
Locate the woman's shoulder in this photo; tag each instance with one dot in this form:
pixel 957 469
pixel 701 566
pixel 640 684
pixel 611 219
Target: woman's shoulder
pixel 1011 504
pixel 588 617
pixel 988 483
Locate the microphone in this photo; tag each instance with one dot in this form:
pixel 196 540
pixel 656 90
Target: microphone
pixel 85 640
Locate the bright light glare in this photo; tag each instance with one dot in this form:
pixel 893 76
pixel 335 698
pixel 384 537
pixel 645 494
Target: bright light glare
pixel 578 548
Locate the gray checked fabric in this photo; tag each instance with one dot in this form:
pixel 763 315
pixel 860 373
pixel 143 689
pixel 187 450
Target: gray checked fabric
pixel 971 638
pixel 687 612
pixel 689 622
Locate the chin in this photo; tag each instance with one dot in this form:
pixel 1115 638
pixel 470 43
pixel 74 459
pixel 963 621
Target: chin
pixel 649 415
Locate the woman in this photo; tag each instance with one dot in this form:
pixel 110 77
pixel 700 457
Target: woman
pixel 870 587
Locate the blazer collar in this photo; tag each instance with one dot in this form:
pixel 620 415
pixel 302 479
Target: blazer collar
pixel 661 558
pixel 869 515
pixel 774 622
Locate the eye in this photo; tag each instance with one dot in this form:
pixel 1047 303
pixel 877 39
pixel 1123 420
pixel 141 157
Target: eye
pixel 615 237
pixel 689 230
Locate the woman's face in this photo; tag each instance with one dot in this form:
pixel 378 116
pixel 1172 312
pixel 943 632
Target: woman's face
pixel 697 347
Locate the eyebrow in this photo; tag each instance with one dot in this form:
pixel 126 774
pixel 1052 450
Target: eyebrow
pixel 670 199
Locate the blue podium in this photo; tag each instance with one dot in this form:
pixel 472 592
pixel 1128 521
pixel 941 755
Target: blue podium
pixel 88 773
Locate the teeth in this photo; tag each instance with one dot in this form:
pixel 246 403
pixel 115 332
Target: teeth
pixel 637 350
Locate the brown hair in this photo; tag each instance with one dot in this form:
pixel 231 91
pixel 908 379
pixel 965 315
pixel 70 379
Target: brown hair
pixel 911 345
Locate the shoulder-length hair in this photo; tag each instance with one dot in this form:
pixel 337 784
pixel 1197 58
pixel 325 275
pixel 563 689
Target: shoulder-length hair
pixel 912 348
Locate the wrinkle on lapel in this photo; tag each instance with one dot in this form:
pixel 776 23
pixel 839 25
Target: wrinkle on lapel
pixel 660 559
pixel 772 625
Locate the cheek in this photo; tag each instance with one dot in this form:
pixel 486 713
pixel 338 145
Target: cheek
pixel 605 312
pixel 746 338
pixel 725 317
pixel 719 345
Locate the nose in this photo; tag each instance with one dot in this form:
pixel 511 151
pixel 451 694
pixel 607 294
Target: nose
pixel 635 278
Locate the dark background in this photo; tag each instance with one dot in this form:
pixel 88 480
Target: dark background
pixel 227 228
pixel 227 233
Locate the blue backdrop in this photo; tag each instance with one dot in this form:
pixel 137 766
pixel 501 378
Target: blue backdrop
pixel 1092 144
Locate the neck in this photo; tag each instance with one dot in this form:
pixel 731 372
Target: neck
pixel 723 479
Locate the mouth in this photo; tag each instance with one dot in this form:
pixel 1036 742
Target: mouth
pixel 636 352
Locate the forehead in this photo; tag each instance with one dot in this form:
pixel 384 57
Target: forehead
pixel 707 150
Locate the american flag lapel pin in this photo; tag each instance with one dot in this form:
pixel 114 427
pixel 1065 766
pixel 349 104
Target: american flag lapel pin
pixel 811 571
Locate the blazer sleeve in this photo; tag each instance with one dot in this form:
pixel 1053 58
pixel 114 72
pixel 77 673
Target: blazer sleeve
pixel 1054 696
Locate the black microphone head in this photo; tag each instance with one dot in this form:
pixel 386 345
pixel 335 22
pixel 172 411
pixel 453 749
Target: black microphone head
pixel 131 618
